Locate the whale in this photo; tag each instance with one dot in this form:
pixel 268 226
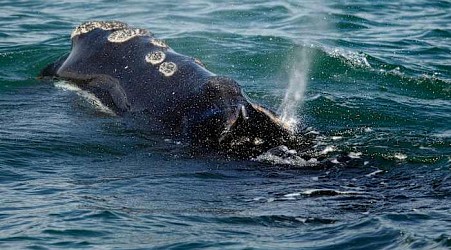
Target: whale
pixel 133 72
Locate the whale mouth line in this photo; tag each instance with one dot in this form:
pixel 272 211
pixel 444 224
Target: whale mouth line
pixel 291 127
pixel 232 120
pixel 86 95
pixel 252 125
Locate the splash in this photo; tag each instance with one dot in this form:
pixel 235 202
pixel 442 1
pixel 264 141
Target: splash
pixel 297 84
pixel 282 155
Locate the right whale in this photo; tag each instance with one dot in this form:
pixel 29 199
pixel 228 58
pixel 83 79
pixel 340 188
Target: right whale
pixel 132 72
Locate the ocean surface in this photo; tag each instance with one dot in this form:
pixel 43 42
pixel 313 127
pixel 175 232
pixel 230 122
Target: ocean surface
pixel 377 80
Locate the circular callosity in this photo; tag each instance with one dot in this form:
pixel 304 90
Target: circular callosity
pixel 92 25
pixel 159 43
pixel 123 35
pixel 155 57
pixel 168 68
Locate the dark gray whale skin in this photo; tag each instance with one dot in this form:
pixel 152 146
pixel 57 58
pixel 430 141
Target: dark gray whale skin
pixel 190 102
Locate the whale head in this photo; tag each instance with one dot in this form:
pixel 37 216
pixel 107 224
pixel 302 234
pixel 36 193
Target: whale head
pixel 227 118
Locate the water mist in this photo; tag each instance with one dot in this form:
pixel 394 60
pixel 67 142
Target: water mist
pixel 297 83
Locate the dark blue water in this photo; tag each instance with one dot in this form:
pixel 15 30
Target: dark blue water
pixel 378 90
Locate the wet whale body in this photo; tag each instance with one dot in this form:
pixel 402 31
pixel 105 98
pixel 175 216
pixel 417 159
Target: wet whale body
pixel 132 72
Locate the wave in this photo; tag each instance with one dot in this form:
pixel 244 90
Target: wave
pixel 345 65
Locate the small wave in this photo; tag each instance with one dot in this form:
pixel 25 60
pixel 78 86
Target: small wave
pixel 349 22
pixel 347 65
pixel 322 192
pixel 439 33
pixel 275 220
pixel 400 156
pixel 443 134
pixel 355 155
pixel 374 173
pixel 89 97
pixel 74 232
pixel 355 59
pixel 328 149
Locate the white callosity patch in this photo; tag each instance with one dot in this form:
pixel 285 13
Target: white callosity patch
pixel 123 35
pixel 155 57
pixel 158 43
pixel 90 26
pixel 168 68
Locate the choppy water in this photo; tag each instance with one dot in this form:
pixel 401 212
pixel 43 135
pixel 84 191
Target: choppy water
pixel 379 88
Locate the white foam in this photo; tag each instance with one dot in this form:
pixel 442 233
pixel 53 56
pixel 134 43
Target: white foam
pixel 89 97
pixel 368 130
pixel 328 149
pixel 400 156
pixel 374 173
pixel 292 195
pixel 328 192
pixel 335 161
pixel 158 43
pixel 443 134
pixel 355 155
pixel 350 57
pixel 288 157
pixel 312 132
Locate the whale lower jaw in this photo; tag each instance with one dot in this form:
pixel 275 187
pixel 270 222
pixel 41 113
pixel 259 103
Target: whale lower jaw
pixel 89 97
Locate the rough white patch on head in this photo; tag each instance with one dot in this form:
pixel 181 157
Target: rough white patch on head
pixel 158 43
pixel 123 35
pixel 168 68
pixel 155 57
pixel 104 25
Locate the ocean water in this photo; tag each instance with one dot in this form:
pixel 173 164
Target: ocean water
pixel 371 79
